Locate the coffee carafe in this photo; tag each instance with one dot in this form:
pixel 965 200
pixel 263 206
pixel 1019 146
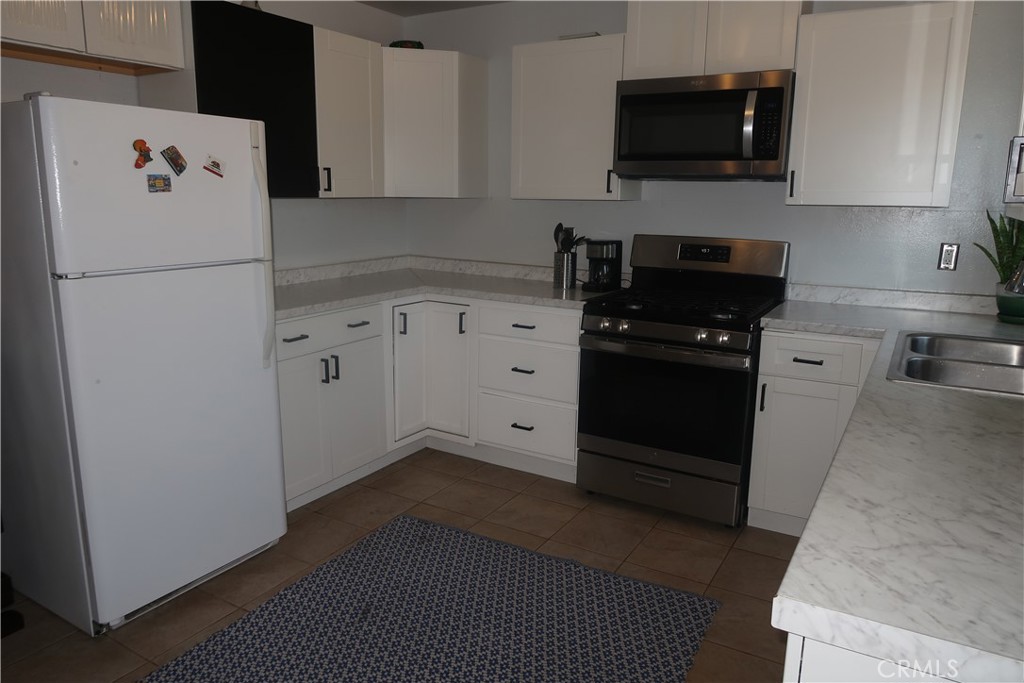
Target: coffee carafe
pixel 605 265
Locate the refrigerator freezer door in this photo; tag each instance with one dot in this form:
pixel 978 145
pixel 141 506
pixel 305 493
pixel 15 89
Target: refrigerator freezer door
pixel 177 426
pixel 106 214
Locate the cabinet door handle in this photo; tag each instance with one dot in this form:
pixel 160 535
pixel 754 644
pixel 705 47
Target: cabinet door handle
pixel 523 372
pixel 330 181
pixel 524 327
pixel 792 182
pixel 337 367
pixel 405 323
pixel 608 182
pixel 516 425
pixel 289 340
pixel 361 323
pixel 763 388
pixel 808 361
pixel 462 322
pixel 326 367
pixel 652 479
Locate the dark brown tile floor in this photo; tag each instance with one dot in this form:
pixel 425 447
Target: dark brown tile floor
pixel 741 569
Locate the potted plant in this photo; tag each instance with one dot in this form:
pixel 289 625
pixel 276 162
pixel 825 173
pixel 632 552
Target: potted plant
pixel 1008 236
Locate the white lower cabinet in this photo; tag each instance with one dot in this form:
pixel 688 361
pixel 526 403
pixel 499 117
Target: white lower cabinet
pixel 808 385
pixel 332 399
pixel 528 375
pixel 432 344
pixel 816 662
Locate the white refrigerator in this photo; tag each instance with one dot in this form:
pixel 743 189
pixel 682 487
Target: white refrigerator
pixel 140 426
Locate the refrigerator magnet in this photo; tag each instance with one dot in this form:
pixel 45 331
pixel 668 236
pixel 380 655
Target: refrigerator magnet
pixel 214 166
pixel 143 151
pixel 174 159
pixel 158 182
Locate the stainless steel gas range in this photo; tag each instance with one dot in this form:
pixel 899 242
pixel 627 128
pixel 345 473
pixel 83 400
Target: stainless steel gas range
pixel 668 372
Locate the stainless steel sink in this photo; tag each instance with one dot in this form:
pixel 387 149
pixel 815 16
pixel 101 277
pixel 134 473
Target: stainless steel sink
pixel 961 362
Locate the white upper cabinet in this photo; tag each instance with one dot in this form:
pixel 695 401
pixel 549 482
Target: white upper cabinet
pixel 877 105
pixel 50 23
pixel 751 36
pixel 665 39
pixel 563 120
pixel 349 100
pixel 435 124
pixel 132 31
pixel 135 31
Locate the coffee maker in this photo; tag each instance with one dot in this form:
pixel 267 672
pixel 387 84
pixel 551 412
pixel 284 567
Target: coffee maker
pixel 605 257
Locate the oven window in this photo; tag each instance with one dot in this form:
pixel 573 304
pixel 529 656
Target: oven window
pixel 690 409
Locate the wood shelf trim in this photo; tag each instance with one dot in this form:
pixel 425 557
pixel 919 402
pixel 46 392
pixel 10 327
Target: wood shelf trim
pixel 77 60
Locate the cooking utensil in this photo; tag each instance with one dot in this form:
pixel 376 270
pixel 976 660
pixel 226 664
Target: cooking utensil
pixel 579 240
pixel 558 237
pixel 568 237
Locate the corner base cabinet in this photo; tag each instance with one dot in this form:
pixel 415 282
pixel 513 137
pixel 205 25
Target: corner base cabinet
pixel 432 350
pixel 330 379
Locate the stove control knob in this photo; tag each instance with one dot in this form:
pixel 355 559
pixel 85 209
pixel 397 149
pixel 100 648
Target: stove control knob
pixel 605 324
pixel 723 338
pixel 701 336
pixel 623 326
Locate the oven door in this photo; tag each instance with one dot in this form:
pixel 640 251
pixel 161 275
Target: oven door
pixel 679 409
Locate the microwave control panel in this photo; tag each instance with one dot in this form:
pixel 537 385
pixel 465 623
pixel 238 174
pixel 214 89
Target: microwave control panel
pixel 768 123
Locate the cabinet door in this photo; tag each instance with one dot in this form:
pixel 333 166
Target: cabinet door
pixel 877 105
pixel 665 39
pixel 563 120
pixel 447 329
pixel 135 30
pixel 795 437
pixel 257 65
pixel 349 120
pixel 420 123
pixel 49 23
pixel 356 405
pixel 302 384
pixel 750 36
pixel 410 359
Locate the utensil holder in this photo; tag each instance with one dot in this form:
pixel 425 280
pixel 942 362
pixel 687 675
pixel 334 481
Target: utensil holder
pixel 565 269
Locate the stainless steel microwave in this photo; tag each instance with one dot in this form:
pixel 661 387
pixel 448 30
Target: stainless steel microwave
pixel 723 126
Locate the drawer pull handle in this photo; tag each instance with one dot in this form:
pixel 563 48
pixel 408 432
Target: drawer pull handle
pixel 524 327
pixel 807 361
pixel 289 340
pixel 523 372
pixel 652 479
pixel 516 425
pixel 361 323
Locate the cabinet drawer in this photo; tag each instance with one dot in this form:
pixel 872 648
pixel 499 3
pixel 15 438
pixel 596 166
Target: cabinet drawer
pixel 526 426
pixel 532 369
pixel 527 322
pixel 810 358
pixel 309 335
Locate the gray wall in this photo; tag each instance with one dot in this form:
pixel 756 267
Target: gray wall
pixel 885 248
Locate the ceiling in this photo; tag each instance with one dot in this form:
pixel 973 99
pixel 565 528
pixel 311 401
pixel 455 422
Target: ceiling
pixel 415 7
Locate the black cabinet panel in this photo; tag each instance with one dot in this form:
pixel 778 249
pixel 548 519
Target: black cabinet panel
pixel 255 65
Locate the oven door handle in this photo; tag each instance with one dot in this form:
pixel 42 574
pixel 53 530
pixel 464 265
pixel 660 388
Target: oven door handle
pixel 672 354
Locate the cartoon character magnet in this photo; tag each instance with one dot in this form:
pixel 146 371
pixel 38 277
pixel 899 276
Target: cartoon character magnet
pixel 143 150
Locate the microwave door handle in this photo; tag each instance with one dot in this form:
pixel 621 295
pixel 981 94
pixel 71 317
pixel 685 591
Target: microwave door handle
pixel 748 125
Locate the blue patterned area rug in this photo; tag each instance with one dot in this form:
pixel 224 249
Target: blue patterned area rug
pixel 420 602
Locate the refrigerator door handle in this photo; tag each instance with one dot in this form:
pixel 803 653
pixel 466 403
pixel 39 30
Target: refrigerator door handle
pixel 256 140
pixel 261 177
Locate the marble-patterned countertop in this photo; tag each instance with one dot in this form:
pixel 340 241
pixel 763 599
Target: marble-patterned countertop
pixel 915 547
pixel 318 296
